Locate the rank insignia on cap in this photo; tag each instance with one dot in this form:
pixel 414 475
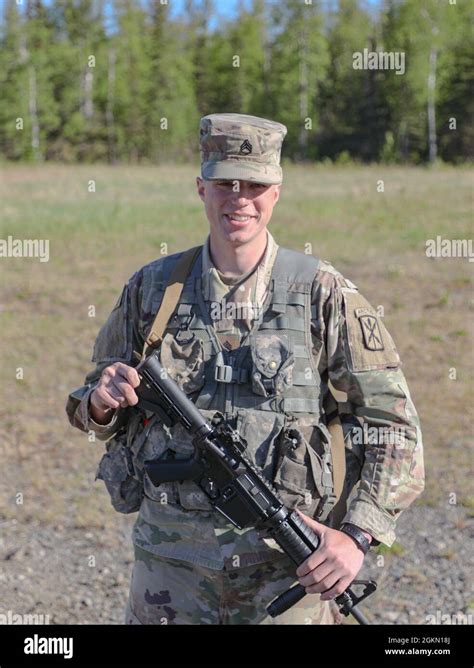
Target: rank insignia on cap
pixel 371 332
pixel 246 147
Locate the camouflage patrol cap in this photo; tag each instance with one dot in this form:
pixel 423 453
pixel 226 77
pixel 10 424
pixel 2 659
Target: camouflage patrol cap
pixel 241 147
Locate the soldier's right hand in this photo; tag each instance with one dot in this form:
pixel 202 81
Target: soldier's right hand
pixel 115 390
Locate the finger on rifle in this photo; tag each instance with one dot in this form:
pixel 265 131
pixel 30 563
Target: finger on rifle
pixel 123 389
pixel 313 561
pixel 325 583
pixel 103 399
pixel 317 575
pixel 128 373
pixel 340 587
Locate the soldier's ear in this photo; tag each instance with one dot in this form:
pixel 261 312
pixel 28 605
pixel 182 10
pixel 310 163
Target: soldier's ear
pixel 200 187
pixel 277 192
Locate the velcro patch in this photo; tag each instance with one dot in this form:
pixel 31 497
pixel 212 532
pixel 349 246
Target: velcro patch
pixel 371 332
pixel 370 345
pixel 364 311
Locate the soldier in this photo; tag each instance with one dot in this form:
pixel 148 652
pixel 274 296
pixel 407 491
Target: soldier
pixel 269 337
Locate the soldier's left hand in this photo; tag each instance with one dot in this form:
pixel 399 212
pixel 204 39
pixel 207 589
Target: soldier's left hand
pixel 333 566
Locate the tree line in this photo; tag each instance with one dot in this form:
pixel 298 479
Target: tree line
pixel 128 80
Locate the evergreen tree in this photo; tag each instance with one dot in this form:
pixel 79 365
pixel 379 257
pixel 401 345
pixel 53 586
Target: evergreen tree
pixel 14 141
pixel 420 29
pixel 132 80
pixel 43 109
pixel 348 94
pixel 173 115
pixel 456 83
pixel 79 60
pixel 298 66
pixel 197 17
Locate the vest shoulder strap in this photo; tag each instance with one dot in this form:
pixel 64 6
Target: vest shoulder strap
pixel 292 266
pixel 171 297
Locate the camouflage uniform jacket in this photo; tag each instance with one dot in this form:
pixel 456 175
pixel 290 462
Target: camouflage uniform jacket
pixel 353 351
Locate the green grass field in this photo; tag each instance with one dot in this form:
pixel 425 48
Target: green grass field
pixel 98 239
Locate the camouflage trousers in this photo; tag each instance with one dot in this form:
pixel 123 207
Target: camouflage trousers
pixel 169 591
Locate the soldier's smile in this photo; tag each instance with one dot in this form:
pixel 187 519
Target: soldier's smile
pixel 238 220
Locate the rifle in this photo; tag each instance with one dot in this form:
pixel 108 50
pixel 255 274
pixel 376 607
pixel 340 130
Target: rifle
pixel 234 486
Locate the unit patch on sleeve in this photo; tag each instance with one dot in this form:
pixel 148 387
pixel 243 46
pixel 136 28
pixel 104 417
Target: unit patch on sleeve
pixel 370 328
pixel 369 343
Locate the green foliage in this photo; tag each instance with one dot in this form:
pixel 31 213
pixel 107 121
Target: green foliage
pixel 456 101
pixel 348 95
pixel 171 114
pixel 388 153
pixel 82 84
pixel 298 65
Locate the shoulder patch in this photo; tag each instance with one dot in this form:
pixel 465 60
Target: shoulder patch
pixel 370 345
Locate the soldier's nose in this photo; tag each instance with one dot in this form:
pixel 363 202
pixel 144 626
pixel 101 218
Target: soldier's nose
pixel 240 198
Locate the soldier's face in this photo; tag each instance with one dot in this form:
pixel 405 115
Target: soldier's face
pixel 238 211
